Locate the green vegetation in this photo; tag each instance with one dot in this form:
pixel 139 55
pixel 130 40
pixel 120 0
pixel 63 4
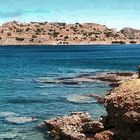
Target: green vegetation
pixel 109 34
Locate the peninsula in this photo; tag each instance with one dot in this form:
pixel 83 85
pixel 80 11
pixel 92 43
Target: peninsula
pixel 45 33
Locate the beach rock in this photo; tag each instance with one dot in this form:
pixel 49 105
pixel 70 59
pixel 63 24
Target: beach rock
pixel 92 127
pixel 113 79
pixel 77 126
pixel 123 107
pixel 104 135
pixel 67 127
pixel 100 99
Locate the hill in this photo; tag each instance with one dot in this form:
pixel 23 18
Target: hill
pixel 44 33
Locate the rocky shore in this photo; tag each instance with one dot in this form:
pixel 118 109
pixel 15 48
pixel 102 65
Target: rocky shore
pixel 121 123
pixel 112 78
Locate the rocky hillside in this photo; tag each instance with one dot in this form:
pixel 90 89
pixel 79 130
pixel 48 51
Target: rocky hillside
pixel 13 33
pixel 131 33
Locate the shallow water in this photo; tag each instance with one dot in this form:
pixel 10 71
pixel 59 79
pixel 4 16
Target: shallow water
pixel 24 103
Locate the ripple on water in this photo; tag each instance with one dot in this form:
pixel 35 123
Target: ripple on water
pixel 19 120
pixel 7 114
pixel 12 117
pixel 80 99
pixel 8 136
pixel 25 101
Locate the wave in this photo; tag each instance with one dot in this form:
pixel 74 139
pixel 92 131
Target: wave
pixel 8 136
pixel 25 101
pixel 18 80
pixel 15 118
pixel 19 120
pixel 80 99
pixel 7 114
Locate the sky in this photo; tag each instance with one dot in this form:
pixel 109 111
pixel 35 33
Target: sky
pixel 113 13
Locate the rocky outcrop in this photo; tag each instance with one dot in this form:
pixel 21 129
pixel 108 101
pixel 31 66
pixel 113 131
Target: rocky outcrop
pixel 112 78
pixel 121 123
pixel 130 33
pixel 77 126
pixel 123 107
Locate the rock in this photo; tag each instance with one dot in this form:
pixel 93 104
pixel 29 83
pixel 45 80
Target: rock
pixel 92 127
pixel 99 99
pixel 123 107
pixel 70 82
pixel 67 127
pixel 104 135
pixel 113 78
pixel 68 135
pixel 121 123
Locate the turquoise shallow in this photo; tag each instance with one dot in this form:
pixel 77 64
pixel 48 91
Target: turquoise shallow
pixel 24 103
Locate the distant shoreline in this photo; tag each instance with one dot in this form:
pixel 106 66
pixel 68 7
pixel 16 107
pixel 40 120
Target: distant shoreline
pixel 45 33
pixel 29 45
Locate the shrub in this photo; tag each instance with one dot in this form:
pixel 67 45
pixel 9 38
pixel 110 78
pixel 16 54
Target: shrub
pixel 133 42
pixel 118 42
pixel 19 39
pixel 38 30
pixel 109 34
pixel 34 36
pixel 9 34
pixel 19 30
pixel 66 37
pixel 27 29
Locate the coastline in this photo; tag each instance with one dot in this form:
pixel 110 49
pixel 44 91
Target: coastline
pixel 116 124
pixel 91 44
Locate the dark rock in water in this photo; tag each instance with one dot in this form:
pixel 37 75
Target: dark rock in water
pixel 113 79
pixel 70 82
pixel 97 97
pixel 113 85
pixel 65 78
pixel 64 81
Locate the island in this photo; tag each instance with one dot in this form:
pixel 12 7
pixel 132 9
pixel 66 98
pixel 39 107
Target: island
pixel 46 33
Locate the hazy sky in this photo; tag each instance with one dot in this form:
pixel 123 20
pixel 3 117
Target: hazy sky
pixel 113 13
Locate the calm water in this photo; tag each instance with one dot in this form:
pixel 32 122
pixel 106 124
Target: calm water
pixel 21 98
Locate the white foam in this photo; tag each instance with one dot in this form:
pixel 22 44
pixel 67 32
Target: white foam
pixel 8 136
pixel 7 114
pixel 80 99
pixel 19 120
pixel 18 80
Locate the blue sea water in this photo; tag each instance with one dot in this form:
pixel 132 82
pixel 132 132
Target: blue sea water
pixel 25 103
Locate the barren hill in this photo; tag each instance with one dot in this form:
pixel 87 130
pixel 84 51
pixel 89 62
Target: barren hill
pixel 14 33
pixel 131 33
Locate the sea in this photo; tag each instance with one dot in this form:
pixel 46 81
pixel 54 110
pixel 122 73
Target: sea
pixel 25 102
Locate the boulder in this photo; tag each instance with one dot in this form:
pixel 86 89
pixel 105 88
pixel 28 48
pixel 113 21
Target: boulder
pixel 92 127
